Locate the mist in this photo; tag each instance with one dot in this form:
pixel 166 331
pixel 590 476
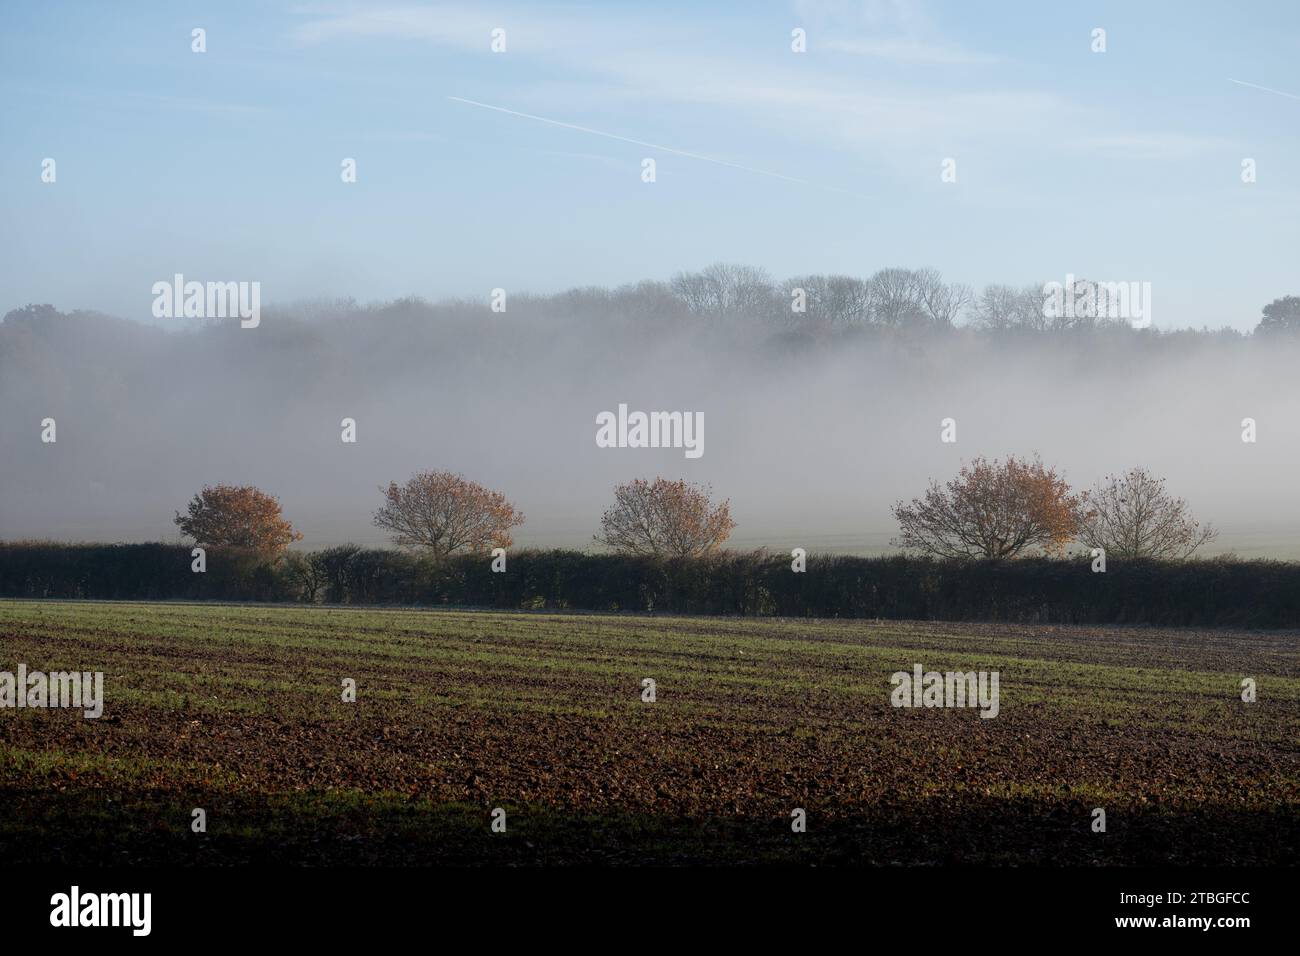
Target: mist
pixel 814 425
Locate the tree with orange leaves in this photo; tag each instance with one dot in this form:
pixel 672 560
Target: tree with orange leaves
pixel 237 517
pixel 992 510
pixel 445 514
pixel 665 518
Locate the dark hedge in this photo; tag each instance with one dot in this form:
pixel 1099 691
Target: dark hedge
pixel 1220 592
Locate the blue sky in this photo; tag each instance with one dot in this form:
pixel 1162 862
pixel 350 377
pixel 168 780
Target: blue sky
pixel 225 165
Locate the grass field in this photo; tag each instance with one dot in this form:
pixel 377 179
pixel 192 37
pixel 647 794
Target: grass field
pixel 238 710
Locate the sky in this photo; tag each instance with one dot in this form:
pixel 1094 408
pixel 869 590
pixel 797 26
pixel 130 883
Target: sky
pixel 1123 165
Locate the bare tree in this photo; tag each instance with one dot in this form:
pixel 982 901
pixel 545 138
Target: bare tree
pixel 1002 308
pixel 445 514
pixel 665 518
pixel 894 298
pixel 940 302
pixel 991 510
pixel 837 300
pixel 1085 304
pixel 1133 516
pixel 725 289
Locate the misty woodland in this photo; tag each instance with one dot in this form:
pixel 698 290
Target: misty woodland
pixel 750 352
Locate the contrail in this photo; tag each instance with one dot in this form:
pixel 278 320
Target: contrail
pixel 1290 96
pixel 666 149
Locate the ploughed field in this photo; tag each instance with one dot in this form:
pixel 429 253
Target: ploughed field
pixel 238 710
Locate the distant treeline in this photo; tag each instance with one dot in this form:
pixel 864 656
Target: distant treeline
pixel 896 300
pixel 1200 593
